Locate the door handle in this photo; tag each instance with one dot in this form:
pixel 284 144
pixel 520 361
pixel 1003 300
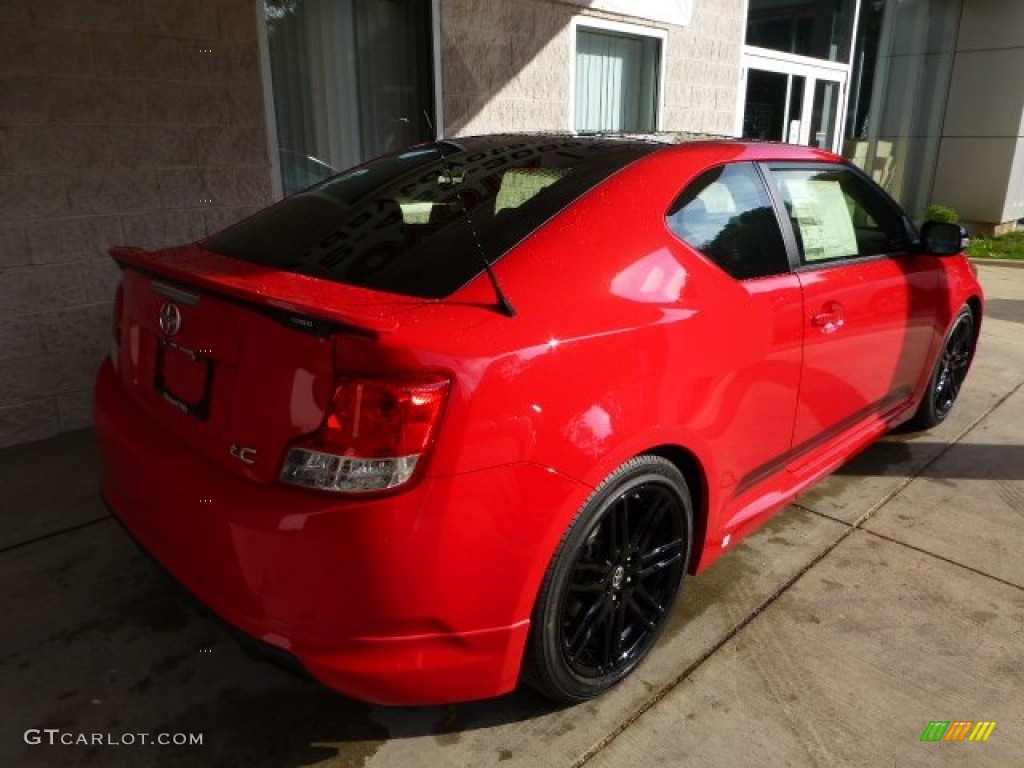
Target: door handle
pixel 830 319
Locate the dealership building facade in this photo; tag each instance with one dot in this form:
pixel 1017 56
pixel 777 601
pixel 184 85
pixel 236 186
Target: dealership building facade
pixel 154 122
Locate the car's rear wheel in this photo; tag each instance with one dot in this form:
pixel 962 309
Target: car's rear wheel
pixel 949 374
pixel 611 586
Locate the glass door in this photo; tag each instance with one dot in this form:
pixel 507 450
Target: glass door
pixel 773 106
pixel 792 99
pixel 822 130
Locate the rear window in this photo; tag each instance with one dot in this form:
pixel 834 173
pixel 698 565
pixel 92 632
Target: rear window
pixel 415 223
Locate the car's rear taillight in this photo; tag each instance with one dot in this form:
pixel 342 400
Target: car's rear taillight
pixel 115 342
pixel 376 432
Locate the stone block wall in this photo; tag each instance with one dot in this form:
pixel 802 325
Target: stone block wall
pixel 506 64
pixel 121 121
pixel 702 63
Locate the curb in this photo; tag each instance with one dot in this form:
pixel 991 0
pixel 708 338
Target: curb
pixel 1018 263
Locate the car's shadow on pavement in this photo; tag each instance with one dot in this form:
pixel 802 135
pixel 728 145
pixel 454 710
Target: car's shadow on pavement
pixel 1011 310
pixel 898 455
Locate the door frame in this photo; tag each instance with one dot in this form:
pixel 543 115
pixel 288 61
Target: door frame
pixel 813 71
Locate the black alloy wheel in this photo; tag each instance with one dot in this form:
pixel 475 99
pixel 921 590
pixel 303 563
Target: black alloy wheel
pixel 611 587
pixel 950 372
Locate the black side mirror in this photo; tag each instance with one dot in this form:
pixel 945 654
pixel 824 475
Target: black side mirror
pixel 943 238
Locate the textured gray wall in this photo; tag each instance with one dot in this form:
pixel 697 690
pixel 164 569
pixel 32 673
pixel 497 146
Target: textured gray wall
pixel 121 121
pixel 506 65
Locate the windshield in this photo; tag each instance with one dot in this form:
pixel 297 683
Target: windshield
pixel 408 223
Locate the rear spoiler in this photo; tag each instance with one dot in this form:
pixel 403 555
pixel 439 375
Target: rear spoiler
pixel 306 303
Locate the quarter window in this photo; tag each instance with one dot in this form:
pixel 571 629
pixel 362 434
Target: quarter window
pixel 836 214
pixel 726 214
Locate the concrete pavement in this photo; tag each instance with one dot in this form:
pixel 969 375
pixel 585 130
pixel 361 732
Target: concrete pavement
pixel 889 596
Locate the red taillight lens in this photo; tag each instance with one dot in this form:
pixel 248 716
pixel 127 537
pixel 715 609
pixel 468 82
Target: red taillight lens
pixel 384 418
pixel 374 436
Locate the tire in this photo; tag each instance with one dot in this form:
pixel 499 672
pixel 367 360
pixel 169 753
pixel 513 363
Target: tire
pixel 949 374
pixel 610 588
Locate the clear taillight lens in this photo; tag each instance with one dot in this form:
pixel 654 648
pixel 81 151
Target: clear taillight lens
pixel 376 433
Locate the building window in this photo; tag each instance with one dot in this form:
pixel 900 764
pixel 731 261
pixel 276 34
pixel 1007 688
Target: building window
pixel 351 80
pixel 618 79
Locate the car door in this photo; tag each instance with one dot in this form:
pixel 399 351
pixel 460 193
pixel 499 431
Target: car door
pixel 869 301
pixel 746 399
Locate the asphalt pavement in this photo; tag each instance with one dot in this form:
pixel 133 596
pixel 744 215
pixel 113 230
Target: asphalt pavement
pixel 889 597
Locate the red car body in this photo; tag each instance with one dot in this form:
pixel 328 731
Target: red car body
pixel 626 341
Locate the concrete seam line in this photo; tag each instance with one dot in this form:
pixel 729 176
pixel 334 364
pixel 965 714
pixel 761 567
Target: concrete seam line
pixel 960 436
pixel 665 690
pixel 824 515
pixel 52 534
pixel 943 558
pixel 1017 263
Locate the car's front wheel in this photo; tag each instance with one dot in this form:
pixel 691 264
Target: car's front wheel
pixel 611 586
pixel 949 374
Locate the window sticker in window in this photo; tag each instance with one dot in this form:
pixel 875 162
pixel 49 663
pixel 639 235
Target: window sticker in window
pixel 821 214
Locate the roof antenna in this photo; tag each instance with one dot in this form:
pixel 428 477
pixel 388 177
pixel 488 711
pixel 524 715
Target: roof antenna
pixel 504 305
pixel 447 180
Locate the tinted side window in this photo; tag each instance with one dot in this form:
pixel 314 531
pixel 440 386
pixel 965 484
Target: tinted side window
pixel 836 214
pixel 727 215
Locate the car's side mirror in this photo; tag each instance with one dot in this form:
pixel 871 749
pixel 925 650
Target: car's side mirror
pixel 943 238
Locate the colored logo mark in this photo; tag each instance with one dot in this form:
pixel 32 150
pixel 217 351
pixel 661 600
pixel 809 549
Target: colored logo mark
pixel 958 730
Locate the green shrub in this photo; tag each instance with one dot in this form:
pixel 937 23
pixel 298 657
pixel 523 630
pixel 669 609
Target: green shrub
pixel 1008 246
pixel 942 213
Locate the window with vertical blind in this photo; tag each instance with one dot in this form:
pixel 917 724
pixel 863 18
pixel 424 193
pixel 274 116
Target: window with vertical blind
pixel 351 80
pixel 617 81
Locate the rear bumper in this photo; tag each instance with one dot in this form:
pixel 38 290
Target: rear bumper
pixel 421 597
